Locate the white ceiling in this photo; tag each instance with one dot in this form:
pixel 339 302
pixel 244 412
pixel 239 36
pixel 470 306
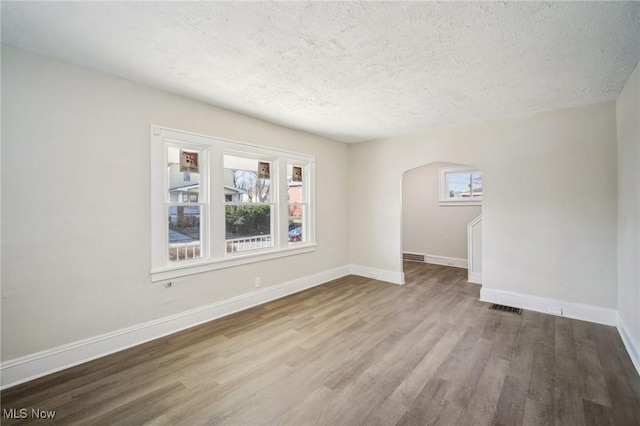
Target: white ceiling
pixel 350 71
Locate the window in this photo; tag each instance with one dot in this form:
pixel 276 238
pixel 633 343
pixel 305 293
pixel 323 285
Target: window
pixel 460 186
pixel 297 203
pixel 184 232
pixel 218 203
pixel 249 211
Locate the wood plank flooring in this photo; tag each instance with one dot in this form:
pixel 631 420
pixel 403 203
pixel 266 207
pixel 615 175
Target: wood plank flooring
pixel 357 351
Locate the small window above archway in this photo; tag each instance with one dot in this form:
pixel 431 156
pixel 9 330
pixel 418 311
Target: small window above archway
pixel 460 186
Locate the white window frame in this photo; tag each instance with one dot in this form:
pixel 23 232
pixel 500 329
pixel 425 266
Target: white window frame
pixel 212 221
pixel 444 198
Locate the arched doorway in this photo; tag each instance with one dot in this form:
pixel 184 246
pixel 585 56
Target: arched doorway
pixel 441 216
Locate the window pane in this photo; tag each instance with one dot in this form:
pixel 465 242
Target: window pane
pixel 476 180
pixel 247 227
pixel 183 175
pixel 246 180
pixel 296 223
pixel 184 232
pixel 294 183
pixel 459 185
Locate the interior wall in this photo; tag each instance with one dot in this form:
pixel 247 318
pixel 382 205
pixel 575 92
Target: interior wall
pixel 428 227
pixel 628 126
pixel 76 185
pixel 549 200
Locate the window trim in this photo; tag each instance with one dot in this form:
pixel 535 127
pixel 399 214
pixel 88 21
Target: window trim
pixel 444 199
pixel 191 268
pixel 212 244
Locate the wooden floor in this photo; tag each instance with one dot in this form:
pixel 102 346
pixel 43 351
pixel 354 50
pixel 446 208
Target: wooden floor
pixel 357 352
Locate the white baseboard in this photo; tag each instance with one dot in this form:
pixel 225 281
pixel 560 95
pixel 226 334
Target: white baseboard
pixel 456 262
pixel 475 277
pixel 36 365
pixel 551 306
pixel 378 274
pixel 633 347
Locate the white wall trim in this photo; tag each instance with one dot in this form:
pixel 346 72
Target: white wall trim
pixel 556 307
pixel 36 365
pixel 378 274
pixel 475 277
pixel 633 347
pixel 456 262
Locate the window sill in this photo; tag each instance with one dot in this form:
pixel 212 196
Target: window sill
pixel 186 269
pixel 460 203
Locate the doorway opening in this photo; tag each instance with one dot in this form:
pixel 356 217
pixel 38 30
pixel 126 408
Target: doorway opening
pixel 442 216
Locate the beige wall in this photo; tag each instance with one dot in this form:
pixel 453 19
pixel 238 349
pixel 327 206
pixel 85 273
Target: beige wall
pixel 76 190
pixel 428 227
pixel 549 200
pixel 628 126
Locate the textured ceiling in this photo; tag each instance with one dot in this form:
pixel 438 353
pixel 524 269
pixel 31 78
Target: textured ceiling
pixel 349 71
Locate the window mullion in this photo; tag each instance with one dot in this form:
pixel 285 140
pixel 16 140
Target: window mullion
pixel 309 199
pixel 283 206
pixel 216 191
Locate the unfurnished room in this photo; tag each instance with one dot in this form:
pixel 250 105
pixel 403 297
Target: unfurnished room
pixel 320 213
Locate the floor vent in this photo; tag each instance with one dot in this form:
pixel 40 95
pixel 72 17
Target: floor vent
pixel 413 256
pixel 504 308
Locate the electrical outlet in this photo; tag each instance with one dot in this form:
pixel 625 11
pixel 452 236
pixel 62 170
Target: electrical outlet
pixel 257 282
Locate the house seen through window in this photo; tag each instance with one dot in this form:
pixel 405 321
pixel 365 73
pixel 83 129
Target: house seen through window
pixel 249 205
pixel 183 210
